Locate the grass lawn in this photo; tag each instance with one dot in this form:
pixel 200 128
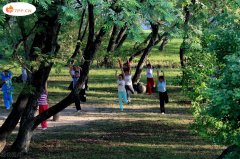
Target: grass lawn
pixel 139 132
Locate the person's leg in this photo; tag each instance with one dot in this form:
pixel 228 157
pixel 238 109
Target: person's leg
pixel 125 97
pixel 77 102
pixel 149 88
pixel 43 108
pixel 127 91
pixel 120 100
pixel 161 98
pixel 152 83
pixel 10 95
pixel 6 99
pixel 82 95
pixel 130 87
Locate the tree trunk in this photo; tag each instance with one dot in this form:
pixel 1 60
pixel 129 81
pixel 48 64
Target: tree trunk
pixel 186 30
pixel 227 151
pixel 140 51
pixel 120 43
pixel 24 108
pixel 163 44
pixel 122 32
pixel 28 121
pixel 79 40
pixel 112 40
pixel 56 117
pixel 116 40
pixel 24 136
pixel 12 119
pixel 152 42
pixel 22 141
pixel 182 52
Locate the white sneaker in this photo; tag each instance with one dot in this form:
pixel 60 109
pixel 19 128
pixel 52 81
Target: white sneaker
pixel 78 111
pixel 163 113
pixel 44 128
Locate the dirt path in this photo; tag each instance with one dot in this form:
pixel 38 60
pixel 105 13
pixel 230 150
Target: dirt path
pixel 68 116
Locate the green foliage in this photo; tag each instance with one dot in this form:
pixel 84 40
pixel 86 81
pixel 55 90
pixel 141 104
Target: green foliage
pixel 212 76
pixel 224 100
pixel 223 37
pixel 43 3
pixel 197 73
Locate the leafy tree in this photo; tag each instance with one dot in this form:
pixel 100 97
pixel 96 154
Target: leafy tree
pixel 33 42
pixel 211 74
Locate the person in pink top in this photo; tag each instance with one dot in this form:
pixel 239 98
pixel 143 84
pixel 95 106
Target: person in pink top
pixel 43 105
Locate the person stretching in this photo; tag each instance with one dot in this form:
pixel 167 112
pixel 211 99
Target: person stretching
pixel 43 105
pixel 122 95
pixel 126 72
pixel 150 80
pixel 163 97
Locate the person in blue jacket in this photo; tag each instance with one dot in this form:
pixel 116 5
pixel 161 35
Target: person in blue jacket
pixel 7 88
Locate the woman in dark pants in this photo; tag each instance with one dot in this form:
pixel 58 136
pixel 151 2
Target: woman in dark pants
pixel 163 97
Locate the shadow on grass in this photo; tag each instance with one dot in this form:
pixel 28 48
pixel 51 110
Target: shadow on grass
pixel 169 111
pixel 122 139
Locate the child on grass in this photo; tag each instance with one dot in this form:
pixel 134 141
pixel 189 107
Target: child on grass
pixel 163 97
pixel 43 105
pixel 122 95
pixel 150 80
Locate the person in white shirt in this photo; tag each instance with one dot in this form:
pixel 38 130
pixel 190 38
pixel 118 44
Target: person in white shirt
pixel 122 95
pixel 150 80
pixel 128 84
pixel 126 71
pixel 163 96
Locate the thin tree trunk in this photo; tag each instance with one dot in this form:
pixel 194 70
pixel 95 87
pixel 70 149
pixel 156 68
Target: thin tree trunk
pixel 116 40
pixel 85 30
pixel 78 46
pixel 12 119
pixel 122 32
pixel 112 40
pixel 152 42
pixel 184 44
pixel 163 44
pixel 139 52
pixel 120 43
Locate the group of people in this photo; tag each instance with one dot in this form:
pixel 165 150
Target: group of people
pixel 125 86
pixel 7 89
pixel 124 81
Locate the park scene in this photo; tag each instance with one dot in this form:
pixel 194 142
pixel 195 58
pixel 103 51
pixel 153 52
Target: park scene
pixel 120 79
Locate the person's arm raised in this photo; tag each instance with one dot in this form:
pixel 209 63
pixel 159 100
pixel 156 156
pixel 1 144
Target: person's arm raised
pixel 116 74
pixel 163 73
